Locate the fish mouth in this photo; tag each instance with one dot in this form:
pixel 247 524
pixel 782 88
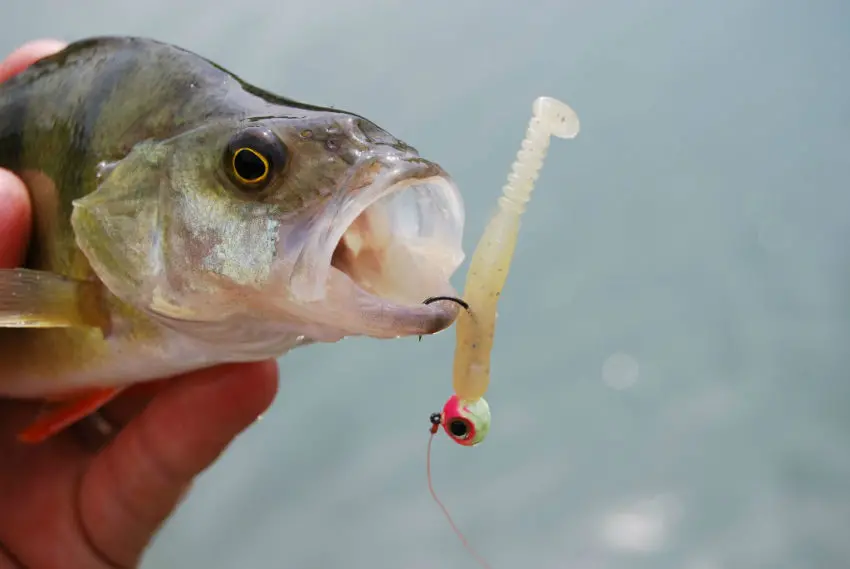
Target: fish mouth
pixel 376 250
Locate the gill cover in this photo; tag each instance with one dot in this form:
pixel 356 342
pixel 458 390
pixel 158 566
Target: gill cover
pixel 116 226
pixel 163 234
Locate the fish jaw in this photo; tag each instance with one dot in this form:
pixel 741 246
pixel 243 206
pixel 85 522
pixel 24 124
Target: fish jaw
pixel 365 261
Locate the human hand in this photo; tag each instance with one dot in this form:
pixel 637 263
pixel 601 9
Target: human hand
pixel 66 504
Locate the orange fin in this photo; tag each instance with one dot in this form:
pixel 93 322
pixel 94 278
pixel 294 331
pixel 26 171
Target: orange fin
pixel 66 413
pixel 147 388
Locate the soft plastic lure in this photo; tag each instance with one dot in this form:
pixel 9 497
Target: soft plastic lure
pixel 466 415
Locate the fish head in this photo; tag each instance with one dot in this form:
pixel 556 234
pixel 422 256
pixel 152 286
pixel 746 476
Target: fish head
pixel 320 223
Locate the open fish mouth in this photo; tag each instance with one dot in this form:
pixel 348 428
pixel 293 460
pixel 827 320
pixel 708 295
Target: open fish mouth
pixel 379 248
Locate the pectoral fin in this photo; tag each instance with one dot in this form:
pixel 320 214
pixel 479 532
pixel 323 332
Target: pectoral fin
pixel 39 299
pixel 64 414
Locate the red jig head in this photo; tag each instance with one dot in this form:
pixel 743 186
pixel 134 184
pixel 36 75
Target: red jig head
pixel 466 422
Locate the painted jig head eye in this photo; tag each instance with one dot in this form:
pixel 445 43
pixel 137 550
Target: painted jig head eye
pixel 467 423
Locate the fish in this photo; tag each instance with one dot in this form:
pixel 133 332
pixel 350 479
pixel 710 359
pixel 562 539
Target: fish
pixel 184 218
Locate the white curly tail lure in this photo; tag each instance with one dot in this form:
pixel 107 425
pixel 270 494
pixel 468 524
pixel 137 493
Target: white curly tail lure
pixel 466 415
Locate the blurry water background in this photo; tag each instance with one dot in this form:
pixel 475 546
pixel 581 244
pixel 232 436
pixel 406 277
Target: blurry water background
pixel 670 376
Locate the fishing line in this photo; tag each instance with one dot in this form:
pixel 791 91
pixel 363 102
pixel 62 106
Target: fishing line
pixel 463 540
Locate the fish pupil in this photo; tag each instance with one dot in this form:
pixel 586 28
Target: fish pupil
pixel 253 157
pixel 249 165
pixel 458 428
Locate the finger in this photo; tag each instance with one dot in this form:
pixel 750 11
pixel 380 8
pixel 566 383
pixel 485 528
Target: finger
pixel 14 219
pixel 28 54
pixel 132 401
pixel 97 430
pixel 138 480
pixel 14 200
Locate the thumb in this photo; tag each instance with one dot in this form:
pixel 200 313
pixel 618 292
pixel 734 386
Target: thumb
pixel 14 219
pixel 136 482
pixel 28 54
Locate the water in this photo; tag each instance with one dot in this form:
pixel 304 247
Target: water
pixel 670 386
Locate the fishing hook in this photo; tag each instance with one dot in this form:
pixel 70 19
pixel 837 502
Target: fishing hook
pixel 454 299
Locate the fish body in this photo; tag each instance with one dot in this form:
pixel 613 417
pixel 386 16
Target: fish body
pixel 183 218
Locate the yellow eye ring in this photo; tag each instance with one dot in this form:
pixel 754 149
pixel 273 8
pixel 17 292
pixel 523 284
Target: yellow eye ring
pixel 249 166
pixel 253 158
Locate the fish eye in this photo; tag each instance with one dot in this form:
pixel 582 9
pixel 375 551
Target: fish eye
pixel 459 429
pixel 253 157
pixel 250 166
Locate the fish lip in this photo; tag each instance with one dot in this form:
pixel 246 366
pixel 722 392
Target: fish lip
pixel 367 184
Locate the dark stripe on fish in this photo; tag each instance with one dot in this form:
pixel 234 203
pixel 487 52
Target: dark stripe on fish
pixel 79 162
pixel 12 121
